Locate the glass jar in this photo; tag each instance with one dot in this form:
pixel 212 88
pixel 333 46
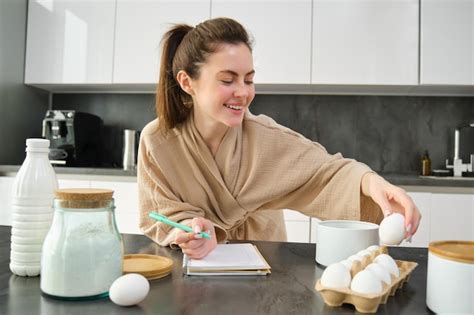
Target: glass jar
pixel 83 251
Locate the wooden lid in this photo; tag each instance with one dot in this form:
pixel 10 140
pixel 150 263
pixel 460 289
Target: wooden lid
pixel 83 198
pixel 460 251
pixel 149 266
pixel 90 194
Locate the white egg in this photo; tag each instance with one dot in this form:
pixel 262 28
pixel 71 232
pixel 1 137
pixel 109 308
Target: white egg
pixel 364 253
pixel 355 257
pixel 392 229
pixel 380 272
pixel 366 282
pixel 347 263
pixel 388 263
pixel 129 289
pixel 373 248
pixel 336 276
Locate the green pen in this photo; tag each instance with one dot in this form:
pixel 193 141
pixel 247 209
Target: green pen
pixel 164 219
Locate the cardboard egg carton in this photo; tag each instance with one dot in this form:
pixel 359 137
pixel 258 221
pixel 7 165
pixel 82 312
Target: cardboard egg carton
pixel 366 303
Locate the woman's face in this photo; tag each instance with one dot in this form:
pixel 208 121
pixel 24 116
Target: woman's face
pixel 224 89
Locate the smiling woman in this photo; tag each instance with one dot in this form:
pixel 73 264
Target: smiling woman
pixel 222 91
pixel 207 162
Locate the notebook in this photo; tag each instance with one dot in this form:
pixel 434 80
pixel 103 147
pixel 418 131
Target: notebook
pixel 228 260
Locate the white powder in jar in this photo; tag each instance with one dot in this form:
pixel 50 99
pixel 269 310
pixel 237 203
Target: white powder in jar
pixel 81 261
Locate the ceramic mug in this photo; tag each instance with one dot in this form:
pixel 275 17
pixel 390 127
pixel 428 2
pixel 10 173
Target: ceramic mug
pixel 339 239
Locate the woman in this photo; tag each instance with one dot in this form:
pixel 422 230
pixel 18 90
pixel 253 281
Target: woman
pixel 207 162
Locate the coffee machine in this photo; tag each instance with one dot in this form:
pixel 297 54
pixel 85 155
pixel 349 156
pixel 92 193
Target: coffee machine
pixel 75 138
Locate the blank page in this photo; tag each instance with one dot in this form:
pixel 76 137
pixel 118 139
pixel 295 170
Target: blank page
pixel 231 256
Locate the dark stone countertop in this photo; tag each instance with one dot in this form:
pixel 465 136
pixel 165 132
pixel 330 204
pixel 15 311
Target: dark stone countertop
pixel 394 178
pixel 289 289
pixel 417 180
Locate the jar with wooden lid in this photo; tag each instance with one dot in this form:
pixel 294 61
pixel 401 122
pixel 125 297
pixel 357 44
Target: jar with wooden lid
pixel 83 251
pixel 450 277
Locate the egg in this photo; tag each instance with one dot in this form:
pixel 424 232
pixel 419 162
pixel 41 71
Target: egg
pixel 388 263
pixel 355 257
pixel 392 229
pixel 380 272
pixel 129 289
pixel 336 276
pixel 366 282
pixel 364 253
pixel 373 248
pixel 347 263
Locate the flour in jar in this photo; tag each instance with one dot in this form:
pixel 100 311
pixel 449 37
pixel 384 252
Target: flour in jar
pixel 83 260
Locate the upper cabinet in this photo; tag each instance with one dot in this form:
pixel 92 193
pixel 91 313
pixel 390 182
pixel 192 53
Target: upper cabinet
pixel 70 42
pixel 300 46
pixel 282 36
pixel 447 42
pixel 139 29
pixel 371 42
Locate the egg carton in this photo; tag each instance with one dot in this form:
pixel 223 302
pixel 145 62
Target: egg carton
pixel 358 265
pixel 366 303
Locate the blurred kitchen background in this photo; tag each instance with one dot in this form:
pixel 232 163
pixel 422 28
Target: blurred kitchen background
pixel 388 132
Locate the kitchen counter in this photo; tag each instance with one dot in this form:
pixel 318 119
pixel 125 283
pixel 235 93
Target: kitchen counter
pixel 130 175
pixel 289 289
pixel 11 170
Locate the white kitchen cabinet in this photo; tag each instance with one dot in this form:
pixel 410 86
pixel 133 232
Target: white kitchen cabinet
pixel 69 42
pixel 452 217
pixel 126 204
pixel 447 42
pixel 139 29
pixel 282 33
pixel 6 185
pixel 297 226
pixel 73 183
pixel 422 236
pixel 314 230
pixel 372 42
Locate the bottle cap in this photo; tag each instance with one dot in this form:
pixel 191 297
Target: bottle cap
pixel 37 143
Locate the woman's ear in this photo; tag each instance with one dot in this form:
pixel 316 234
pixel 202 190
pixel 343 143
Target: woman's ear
pixel 185 82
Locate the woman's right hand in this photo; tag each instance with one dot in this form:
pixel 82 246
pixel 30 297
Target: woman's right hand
pixel 192 244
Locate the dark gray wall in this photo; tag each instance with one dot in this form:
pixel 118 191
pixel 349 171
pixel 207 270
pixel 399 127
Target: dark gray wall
pixel 22 108
pixel 389 133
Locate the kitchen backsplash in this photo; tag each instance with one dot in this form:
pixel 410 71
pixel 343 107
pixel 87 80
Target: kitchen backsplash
pixel 389 133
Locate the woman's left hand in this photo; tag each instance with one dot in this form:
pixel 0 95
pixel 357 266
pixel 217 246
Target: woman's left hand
pixel 391 199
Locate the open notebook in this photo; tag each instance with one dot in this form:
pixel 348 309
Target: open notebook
pixel 230 260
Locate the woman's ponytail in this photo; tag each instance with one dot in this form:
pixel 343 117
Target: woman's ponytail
pixel 170 107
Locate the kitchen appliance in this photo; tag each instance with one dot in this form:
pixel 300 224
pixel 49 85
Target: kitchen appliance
pixel 75 138
pixel 129 149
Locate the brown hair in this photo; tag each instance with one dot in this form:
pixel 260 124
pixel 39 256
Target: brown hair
pixel 186 48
